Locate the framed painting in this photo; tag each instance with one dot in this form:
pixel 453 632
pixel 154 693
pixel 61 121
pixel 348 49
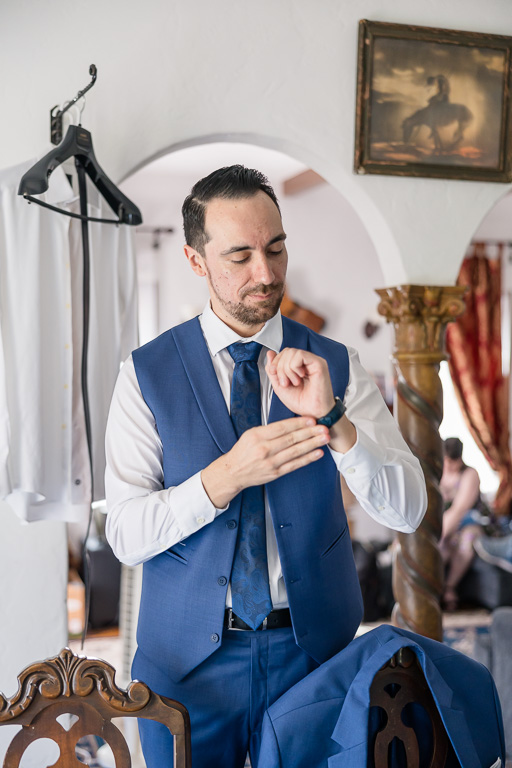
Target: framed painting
pixel 433 102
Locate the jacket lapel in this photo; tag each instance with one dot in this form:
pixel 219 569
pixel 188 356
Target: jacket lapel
pixel 454 719
pixel 351 729
pixel 198 365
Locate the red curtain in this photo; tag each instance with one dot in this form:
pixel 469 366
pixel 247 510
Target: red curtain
pixel 474 345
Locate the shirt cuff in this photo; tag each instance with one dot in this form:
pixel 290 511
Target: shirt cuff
pixel 361 462
pixel 191 506
pixel 372 481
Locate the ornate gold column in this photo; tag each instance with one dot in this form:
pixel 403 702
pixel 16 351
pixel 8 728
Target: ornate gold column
pixel 420 314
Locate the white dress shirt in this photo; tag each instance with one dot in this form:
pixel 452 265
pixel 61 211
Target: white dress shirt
pixel 44 461
pixel 144 518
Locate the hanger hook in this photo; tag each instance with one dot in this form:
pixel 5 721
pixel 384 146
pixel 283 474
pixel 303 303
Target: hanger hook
pixel 81 109
pixel 93 71
pixel 56 117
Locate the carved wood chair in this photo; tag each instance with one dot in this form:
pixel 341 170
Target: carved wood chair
pixel 399 683
pixel 84 688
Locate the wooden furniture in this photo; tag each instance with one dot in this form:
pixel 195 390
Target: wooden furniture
pixel 420 314
pixel 68 697
pixel 398 683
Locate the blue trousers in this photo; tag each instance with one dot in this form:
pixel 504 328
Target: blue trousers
pixel 226 697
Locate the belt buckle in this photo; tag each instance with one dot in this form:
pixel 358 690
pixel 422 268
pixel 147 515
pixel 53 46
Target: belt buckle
pixel 231 621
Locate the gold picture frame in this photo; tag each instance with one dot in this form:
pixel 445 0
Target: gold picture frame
pixel 433 102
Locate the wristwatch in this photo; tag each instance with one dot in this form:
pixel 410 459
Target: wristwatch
pixel 334 414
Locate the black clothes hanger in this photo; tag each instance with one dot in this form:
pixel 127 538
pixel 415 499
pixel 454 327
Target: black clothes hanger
pixel 78 144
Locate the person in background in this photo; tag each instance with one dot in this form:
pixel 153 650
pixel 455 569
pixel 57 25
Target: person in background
pixel 463 509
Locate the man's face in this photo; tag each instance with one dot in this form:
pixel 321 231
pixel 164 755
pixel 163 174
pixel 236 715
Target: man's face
pixel 245 261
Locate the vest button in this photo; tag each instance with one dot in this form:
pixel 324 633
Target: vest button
pixel 214 638
pixel 231 524
pixel 222 581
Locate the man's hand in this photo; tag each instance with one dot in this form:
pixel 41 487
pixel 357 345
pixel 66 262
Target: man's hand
pixel 302 382
pixel 263 454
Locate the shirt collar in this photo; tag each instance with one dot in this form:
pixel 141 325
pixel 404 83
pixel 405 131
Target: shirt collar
pixel 218 335
pixel 60 193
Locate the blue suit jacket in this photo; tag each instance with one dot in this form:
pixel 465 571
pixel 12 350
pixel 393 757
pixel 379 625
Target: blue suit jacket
pixel 184 588
pixel 323 721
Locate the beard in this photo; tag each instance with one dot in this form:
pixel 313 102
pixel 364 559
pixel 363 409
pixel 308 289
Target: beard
pixel 248 314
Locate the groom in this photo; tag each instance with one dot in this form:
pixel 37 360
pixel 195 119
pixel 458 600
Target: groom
pixel 225 442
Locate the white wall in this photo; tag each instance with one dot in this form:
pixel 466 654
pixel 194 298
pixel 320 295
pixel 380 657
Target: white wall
pixel 30 566
pixel 278 73
pixel 33 583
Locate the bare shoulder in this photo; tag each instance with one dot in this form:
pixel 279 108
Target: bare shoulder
pixel 470 478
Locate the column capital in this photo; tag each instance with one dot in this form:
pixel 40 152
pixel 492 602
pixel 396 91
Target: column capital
pixel 420 314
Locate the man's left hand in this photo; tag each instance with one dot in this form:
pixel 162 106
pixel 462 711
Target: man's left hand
pixel 302 382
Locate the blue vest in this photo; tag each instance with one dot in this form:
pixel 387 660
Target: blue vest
pixel 184 588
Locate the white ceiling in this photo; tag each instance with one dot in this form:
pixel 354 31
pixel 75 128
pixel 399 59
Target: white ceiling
pixel 199 160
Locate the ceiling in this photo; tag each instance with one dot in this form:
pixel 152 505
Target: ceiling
pixel 201 159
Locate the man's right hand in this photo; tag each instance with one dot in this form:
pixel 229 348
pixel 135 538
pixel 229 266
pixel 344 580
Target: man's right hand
pixel 263 454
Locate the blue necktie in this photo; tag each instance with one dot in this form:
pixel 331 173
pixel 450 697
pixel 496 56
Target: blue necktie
pixel 249 576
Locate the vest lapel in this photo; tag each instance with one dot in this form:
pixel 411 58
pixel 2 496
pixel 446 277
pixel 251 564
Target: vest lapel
pixel 198 365
pixel 296 336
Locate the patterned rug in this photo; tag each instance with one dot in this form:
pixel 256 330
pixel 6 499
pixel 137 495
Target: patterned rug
pixel 467 632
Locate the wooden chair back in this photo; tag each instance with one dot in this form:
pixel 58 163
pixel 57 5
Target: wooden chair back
pixel 398 683
pixel 84 688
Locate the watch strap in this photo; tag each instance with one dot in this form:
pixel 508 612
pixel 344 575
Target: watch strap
pixel 334 414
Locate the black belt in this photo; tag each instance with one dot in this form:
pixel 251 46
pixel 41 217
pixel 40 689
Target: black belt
pixel 274 620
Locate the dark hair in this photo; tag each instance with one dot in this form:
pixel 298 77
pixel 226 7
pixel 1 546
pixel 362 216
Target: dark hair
pixel 230 183
pixel 453 448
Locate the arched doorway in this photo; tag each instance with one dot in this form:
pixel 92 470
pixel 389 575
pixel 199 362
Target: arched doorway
pixel 494 237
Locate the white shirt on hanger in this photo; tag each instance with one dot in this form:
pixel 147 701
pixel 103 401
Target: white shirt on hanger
pixel 44 470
